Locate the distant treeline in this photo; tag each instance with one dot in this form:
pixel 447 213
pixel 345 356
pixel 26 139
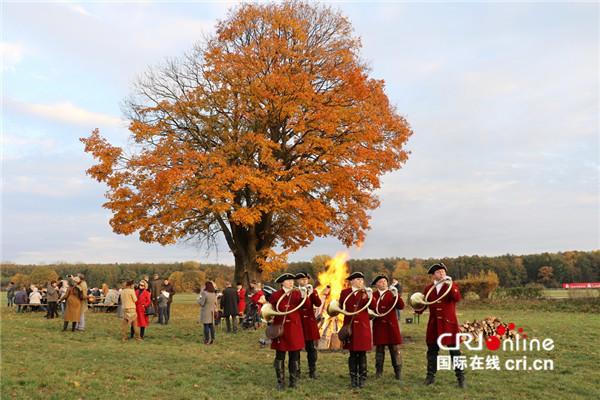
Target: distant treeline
pixel 548 269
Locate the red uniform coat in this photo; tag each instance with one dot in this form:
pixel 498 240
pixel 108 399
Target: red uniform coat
pixel 442 315
pixel 242 301
pixel 256 298
pixel 361 323
pixel 386 330
pixel 293 336
pixel 144 299
pixel 309 321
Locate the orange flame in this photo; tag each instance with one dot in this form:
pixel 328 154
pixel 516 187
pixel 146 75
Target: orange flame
pixel 335 275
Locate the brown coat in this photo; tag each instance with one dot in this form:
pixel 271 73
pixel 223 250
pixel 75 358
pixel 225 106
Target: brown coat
pixel 73 310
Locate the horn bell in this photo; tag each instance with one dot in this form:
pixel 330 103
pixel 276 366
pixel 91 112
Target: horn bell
pixel 334 308
pixel 417 301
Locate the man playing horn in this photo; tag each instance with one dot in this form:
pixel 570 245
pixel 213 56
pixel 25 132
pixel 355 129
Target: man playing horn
pixel 358 327
pixel 291 339
pixel 442 319
pixel 309 323
pixel 386 330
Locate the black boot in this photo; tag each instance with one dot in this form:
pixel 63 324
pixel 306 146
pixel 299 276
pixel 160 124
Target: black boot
pixel 379 359
pixel 312 365
pixel 432 353
pixel 280 372
pixel 298 371
pixel 396 361
pixel 362 369
pixel 65 325
pixel 293 368
pixel 459 372
pixel 353 368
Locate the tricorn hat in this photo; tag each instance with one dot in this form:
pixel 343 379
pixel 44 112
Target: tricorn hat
pixel 377 278
pixel 302 274
pixel 437 266
pixel 284 277
pixel 355 275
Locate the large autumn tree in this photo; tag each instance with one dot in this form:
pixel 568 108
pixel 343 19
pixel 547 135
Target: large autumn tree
pixel 270 132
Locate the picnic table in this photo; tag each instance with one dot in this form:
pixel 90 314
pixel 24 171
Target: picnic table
pixel 102 306
pixel 24 307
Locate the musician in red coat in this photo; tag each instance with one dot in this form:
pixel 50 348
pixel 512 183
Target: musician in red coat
pixel 144 299
pixel 292 340
pixel 353 299
pixel 386 329
pixel 442 319
pixel 309 323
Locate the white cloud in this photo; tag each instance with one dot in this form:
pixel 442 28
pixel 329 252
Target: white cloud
pixel 79 9
pixel 14 146
pixel 11 54
pixel 44 186
pixel 67 112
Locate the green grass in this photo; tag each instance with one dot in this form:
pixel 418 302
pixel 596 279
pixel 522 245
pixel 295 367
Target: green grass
pixel 41 362
pixel 570 293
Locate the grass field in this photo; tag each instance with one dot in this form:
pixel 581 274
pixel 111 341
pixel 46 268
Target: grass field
pixel 41 362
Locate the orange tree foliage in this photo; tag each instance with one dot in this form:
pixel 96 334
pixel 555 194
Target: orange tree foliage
pixel 270 132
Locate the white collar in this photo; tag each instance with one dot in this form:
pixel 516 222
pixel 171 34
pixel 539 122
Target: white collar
pixel 381 291
pixel 354 289
pixel 285 290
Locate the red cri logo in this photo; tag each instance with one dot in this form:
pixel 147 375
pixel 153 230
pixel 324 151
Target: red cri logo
pixel 493 342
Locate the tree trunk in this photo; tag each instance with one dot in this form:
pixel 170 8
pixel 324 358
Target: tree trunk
pixel 246 270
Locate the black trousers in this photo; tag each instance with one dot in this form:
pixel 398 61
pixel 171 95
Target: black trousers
pixel 229 319
pixel 311 353
pixel 52 309
pixel 432 352
pixel 293 355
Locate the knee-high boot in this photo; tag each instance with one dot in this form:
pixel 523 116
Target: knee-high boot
pixel 459 372
pixel 379 359
pixel 280 372
pixel 294 366
pixel 396 360
pixel 353 369
pixel 362 369
pixel 312 363
pixel 432 352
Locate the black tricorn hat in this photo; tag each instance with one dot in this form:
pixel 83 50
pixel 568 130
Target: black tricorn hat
pixel 437 266
pixel 377 278
pixel 355 275
pixel 284 277
pixel 302 274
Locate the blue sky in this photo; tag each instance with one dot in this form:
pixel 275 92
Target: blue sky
pixel 503 99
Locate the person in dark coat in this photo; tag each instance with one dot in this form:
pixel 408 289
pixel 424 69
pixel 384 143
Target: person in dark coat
pixel 309 324
pixel 10 294
pixel 52 297
pixel 442 320
pixel 155 287
pixel 386 330
pixel 168 287
pixel 229 303
pixel 21 299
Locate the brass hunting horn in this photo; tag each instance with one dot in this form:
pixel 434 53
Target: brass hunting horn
pixel 418 301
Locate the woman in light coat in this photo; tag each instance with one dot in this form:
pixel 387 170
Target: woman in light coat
pixel 73 303
pixel 208 305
